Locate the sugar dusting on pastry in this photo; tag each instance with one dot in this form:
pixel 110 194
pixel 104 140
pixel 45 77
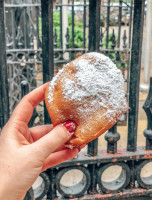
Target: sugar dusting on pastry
pixel 97 83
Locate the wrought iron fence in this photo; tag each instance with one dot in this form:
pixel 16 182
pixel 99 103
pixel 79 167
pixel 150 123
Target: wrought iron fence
pixel 122 45
pixel 23 27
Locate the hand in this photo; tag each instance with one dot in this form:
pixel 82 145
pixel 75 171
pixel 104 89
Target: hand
pixel 26 152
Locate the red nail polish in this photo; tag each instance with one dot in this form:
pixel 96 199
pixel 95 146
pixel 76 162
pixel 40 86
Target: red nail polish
pixel 70 126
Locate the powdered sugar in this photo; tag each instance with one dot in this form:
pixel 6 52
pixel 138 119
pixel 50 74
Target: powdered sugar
pixel 97 82
pixel 52 85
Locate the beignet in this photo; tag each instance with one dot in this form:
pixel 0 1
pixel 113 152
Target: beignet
pixel 89 91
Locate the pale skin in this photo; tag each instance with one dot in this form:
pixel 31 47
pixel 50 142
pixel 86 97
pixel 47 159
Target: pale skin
pixel 26 152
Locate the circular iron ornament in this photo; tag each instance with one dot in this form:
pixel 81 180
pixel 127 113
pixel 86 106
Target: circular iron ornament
pixel 57 55
pixel 10 56
pixel 146 181
pixel 42 189
pixel 113 184
pixel 29 195
pixel 76 189
pixel 31 56
pixel 21 56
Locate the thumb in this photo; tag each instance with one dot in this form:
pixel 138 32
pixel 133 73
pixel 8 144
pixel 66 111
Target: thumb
pixel 53 140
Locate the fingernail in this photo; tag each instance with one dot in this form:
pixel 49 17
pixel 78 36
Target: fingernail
pixel 70 126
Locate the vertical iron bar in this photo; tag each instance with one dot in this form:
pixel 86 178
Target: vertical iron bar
pixel 84 25
pixel 13 28
pixel 25 29
pixel 61 31
pixel 52 188
pixel 24 88
pixel 4 89
pixel 72 23
pixel 37 26
pixel 108 18
pixel 93 148
pixel 92 188
pixel 147 107
pixel 94 25
pixel 130 23
pixel 136 50
pixel 94 38
pixel 119 22
pixel 47 45
pixel 112 137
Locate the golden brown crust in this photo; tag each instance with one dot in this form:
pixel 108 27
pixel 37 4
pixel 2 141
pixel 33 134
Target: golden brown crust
pixel 62 109
pixel 92 127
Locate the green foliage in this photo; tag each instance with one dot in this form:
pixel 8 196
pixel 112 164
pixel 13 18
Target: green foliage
pixel 109 41
pixel 78 35
pixel 78 30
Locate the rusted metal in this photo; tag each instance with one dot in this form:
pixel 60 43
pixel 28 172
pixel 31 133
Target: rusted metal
pixel 104 157
pixel 125 194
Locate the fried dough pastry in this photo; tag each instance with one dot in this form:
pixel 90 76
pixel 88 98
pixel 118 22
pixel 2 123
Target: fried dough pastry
pixel 90 92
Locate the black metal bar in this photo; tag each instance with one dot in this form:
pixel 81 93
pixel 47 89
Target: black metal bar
pixel 84 25
pixel 130 22
pixel 93 148
pixel 147 107
pixel 94 38
pixel 24 88
pixel 113 39
pixel 52 188
pixel 4 90
pixel 132 166
pixel 124 39
pixel 24 26
pixel 47 45
pixel 136 50
pixel 55 38
pixel 61 31
pixel 37 30
pixel 92 188
pixel 112 137
pixel 119 22
pixel 24 91
pixel 107 28
pixel 72 23
pixel 13 28
pixel 94 25
pixel 67 38
pixel 101 37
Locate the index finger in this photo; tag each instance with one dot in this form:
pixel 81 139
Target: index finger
pixel 24 109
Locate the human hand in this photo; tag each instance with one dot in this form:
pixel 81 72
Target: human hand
pixel 26 152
